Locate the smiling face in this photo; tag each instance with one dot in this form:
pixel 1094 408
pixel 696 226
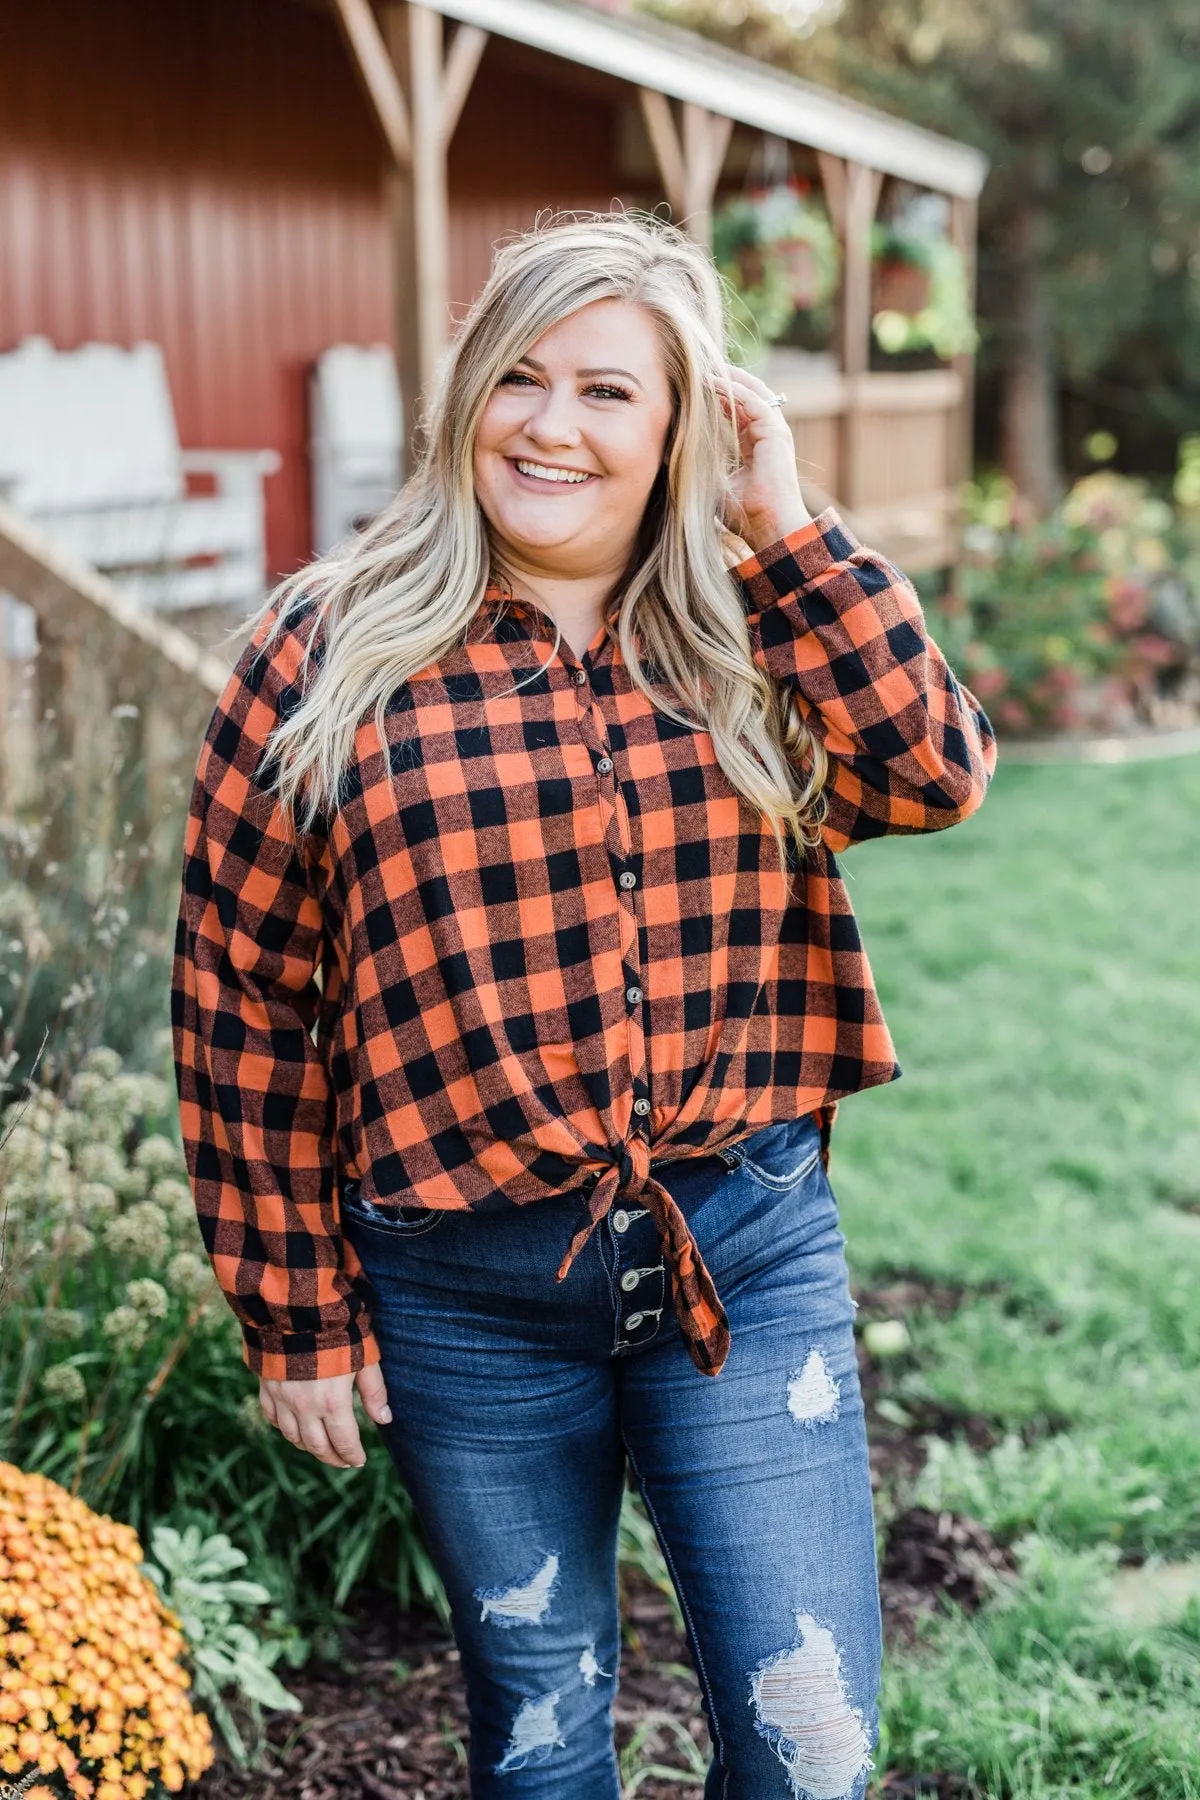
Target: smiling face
pixel 571 440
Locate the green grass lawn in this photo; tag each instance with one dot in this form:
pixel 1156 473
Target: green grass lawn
pixel 1040 971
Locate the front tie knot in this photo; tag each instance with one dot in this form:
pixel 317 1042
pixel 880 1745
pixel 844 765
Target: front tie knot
pixel 699 1312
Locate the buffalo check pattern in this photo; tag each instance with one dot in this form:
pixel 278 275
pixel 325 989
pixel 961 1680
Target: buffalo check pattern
pixel 540 943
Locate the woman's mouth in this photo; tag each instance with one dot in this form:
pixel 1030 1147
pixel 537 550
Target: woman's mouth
pixel 548 475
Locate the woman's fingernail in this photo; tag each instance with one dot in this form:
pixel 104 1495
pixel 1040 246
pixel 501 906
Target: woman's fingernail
pixel 385 1414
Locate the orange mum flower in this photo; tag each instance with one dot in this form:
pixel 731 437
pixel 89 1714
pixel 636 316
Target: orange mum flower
pixel 92 1685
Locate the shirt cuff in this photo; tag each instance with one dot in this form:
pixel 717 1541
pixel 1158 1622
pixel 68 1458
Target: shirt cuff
pixel 302 1356
pixel 807 552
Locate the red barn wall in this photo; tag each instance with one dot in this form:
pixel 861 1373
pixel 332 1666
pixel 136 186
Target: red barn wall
pixel 207 173
pixel 203 173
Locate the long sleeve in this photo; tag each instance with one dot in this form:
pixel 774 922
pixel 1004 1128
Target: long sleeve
pixel 910 748
pixel 256 1107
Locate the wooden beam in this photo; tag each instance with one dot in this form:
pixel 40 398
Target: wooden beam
pixel 689 167
pixel 705 140
pixel 377 74
pixel 462 61
pixel 668 151
pixel 833 180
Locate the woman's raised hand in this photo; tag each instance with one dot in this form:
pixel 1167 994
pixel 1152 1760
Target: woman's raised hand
pixel 318 1416
pixel 763 500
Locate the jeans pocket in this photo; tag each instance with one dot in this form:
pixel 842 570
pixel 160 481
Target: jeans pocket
pixel 778 1157
pixel 392 1221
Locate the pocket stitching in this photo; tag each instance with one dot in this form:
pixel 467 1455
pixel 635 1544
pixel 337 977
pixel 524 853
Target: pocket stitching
pixel 780 1182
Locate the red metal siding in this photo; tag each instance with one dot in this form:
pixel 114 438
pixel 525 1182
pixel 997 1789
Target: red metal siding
pixel 204 173
pixel 207 173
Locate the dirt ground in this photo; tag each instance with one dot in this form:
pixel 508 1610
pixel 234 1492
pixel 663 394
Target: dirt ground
pixel 388 1721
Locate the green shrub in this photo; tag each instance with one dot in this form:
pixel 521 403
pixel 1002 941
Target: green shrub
pixel 1089 619
pixel 229 1655
pixel 121 1373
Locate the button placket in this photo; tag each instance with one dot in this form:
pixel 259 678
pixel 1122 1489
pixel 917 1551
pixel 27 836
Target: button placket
pixel 639 1278
pixel 618 836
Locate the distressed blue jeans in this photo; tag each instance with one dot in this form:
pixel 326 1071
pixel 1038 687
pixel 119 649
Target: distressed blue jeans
pixel 517 1401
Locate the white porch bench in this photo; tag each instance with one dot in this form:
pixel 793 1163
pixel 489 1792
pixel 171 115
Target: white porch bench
pixel 90 454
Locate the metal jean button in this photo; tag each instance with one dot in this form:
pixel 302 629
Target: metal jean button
pixel 633 1321
pixel 620 1220
pixel 630 1280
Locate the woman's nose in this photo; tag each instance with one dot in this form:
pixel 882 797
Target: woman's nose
pixel 555 419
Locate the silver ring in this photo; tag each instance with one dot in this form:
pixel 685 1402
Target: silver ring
pixel 778 400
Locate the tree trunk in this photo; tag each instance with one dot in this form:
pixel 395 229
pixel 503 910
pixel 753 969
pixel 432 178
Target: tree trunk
pixel 1029 426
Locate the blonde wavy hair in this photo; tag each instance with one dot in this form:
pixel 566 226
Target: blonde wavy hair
pixel 398 596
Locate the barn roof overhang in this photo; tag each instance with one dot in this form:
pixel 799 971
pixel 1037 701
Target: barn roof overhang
pixel 653 54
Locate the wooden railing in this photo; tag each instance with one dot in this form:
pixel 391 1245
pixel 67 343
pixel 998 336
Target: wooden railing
pixel 861 441
pixel 110 686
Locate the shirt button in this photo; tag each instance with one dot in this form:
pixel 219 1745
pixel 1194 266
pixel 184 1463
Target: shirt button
pixel 604 765
pixel 630 1280
pixel 641 1107
pixel 633 1321
pixel 633 995
pixel 627 878
pixel 620 1220
pixel 579 677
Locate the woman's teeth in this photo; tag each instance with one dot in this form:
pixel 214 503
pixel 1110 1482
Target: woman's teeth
pixel 545 473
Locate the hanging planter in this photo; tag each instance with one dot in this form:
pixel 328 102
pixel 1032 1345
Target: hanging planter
pixel 777 250
pixel 919 298
pixel 901 287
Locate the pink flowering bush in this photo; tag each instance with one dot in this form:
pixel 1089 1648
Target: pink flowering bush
pixel 1086 621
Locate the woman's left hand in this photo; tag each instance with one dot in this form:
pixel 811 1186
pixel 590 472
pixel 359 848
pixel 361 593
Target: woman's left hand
pixel 763 500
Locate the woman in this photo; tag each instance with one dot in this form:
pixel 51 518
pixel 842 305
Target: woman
pixel 516 985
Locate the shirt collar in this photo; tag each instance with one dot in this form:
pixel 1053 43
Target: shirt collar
pixel 497 597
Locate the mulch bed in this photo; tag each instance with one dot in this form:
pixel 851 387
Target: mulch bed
pixel 369 1732
pixel 388 1720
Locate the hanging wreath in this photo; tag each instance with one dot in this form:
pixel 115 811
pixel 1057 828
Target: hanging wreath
pixel 778 253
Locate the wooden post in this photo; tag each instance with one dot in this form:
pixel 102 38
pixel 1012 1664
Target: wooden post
pixel 689 167
pixel 963 228
pixel 431 193
pixel 852 194
pixel 433 88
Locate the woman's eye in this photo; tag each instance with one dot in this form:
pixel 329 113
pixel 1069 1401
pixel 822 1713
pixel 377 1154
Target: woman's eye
pixel 603 390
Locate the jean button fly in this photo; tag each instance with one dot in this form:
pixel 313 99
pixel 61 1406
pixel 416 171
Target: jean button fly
pixel 630 1280
pixel 633 1321
pixel 620 1220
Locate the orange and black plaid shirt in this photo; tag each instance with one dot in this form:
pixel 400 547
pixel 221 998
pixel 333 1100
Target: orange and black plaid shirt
pixel 540 937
